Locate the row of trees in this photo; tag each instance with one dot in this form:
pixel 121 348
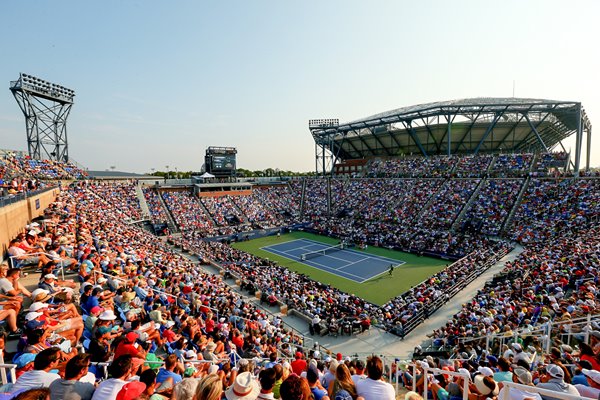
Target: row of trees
pixel 241 172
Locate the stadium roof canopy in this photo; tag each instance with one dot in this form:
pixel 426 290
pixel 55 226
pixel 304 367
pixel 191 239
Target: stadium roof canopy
pixel 467 126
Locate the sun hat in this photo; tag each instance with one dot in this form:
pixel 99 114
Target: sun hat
pixel 37 306
pixel 592 374
pixel 485 371
pixel 30 316
pixel 37 291
pixel 486 385
pixel 211 346
pixel 107 315
pixel 245 387
pixel 190 354
pixel 213 369
pixel 49 276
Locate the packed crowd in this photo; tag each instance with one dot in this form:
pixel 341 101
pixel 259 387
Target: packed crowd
pixel 139 300
pixel 121 196
pixel 552 207
pixel 17 165
pixel 157 211
pixel 404 312
pixel 512 164
pixel 554 281
pixel 494 202
pixel 411 167
pixel 537 375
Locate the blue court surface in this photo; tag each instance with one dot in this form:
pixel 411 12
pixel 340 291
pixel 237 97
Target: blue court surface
pixel 350 264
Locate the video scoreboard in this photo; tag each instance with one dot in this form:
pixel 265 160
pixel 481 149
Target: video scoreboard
pixel 220 161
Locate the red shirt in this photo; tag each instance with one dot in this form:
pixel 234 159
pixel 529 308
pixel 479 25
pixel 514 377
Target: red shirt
pixel 298 366
pixel 126 349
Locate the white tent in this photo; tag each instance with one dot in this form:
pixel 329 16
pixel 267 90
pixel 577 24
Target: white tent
pixel 207 175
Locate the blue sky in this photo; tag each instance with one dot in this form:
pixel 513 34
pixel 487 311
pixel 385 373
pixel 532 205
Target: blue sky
pixel 157 82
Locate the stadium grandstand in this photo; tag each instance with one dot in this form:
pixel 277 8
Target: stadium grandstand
pixel 454 240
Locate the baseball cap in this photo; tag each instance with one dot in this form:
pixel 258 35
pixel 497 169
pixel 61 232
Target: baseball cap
pixel 132 336
pixel 523 375
pixel 96 310
pixel 131 390
pixel 49 276
pixel 555 371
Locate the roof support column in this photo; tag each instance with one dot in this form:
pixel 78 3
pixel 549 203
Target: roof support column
pixel 589 147
pixel 488 130
pixel 578 140
pixel 449 134
pixel 537 134
pixel 414 137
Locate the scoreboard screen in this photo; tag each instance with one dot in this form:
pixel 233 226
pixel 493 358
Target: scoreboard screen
pixel 223 162
pixel 220 161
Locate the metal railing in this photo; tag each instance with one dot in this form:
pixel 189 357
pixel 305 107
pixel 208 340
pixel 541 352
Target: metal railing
pixel 533 389
pixel 11 199
pixel 14 264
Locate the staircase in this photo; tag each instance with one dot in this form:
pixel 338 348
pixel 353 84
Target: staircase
pixel 431 198
pixel 207 213
pixel 142 200
pixel 512 212
pixel 173 228
pixel 237 206
pixel 467 206
pixel 302 193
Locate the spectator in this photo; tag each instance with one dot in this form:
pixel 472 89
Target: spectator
pixel 373 387
pixel 45 361
pixel 70 387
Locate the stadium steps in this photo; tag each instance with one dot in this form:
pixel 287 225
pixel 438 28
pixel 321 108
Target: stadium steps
pixel 142 200
pixel 302 194
pixel 491 166
pixel 429 201
pixel 173 228
pixel 515 207
pixel 467 206
pixel 207 213
pixel 242 213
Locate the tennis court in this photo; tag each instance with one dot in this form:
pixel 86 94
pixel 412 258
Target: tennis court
pixel 347 263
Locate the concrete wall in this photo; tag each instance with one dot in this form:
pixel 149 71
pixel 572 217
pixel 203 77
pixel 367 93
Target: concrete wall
pixel 14 217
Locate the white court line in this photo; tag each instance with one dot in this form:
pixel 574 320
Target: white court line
pixel 347 273
pixel 329 269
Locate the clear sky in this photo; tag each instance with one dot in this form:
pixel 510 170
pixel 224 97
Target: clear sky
pixel 158 81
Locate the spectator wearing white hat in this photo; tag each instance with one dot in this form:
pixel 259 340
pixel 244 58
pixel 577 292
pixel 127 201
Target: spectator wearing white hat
pixel 245 387
pixel 593 379
pixel 523 377
pixel 554 379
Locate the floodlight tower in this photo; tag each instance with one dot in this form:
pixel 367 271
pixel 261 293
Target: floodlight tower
pixel 46 107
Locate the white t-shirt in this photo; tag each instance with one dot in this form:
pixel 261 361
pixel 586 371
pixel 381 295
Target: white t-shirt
pixel 588 391
pixel 375 390
pixel 357 378
pixel 34 380
pixel 518 394
pixel 108 389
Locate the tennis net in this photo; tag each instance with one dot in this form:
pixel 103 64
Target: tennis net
pixel 322 252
